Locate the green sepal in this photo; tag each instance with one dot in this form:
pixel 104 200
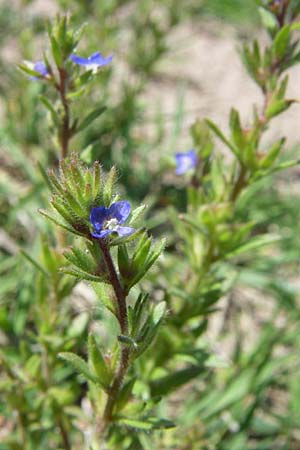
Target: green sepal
pixel 109 187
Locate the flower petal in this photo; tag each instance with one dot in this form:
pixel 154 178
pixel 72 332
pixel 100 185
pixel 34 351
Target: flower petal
pixel 120 211
pixel 98 216
pixel 41 68
pixel 79 60
pixel 124 231
pixel 102 234
pixel 185 161
pixel 95 60
pixel 99 60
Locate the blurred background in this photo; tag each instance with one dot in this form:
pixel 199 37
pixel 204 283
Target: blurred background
pixel 173 61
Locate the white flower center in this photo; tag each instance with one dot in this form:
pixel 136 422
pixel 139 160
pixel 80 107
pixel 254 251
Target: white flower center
pixel 111 224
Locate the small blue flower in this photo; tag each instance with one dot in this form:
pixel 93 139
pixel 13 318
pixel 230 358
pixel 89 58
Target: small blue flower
pixel 92 62
pixel 109 220
pixel 186 161
pixel 41 68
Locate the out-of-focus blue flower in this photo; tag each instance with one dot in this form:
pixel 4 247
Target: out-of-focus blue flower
pixel 109 220
pixel 92 62
pixel 41 68
pixel 186 161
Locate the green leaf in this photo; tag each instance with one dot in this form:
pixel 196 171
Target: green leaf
pixel 147 424
pixel 221 136
pixel 124 394
pixel 77 273
pixel 136 213
pixel 255 243
pixel 164 385
pixel 236 129
pixel 105 297
pixel 138 313
pixel 154 255
pixel 159 312
pixel 26 69
pixel 141 253
pixel 57 221
pixel 78 364
pixel 148 332
pixel 51 109
pixel 281 42
pixel 272 154
pixel 34 263
pixel 277 106
pixel 56 51
pixel 268 19
pixel 98 363
pixel 150 260
pixel 87 155
pixel 123 261
pixel 90 118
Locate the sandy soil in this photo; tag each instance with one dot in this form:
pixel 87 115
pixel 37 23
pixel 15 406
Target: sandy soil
pixel 204 64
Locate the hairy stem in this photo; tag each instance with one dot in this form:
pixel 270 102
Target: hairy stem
pixel 123 322
pixel 117 287
pixel 65 126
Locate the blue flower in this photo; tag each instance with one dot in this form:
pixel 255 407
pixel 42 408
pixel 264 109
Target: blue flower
pixel 186 161
pixel 109 220
pixel 41 68
pixel 92 62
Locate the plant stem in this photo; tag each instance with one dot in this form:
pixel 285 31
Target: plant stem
pixel 240 184
pixel 123 322
pixel 65 126
pixel 63 434
pixel 117 287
